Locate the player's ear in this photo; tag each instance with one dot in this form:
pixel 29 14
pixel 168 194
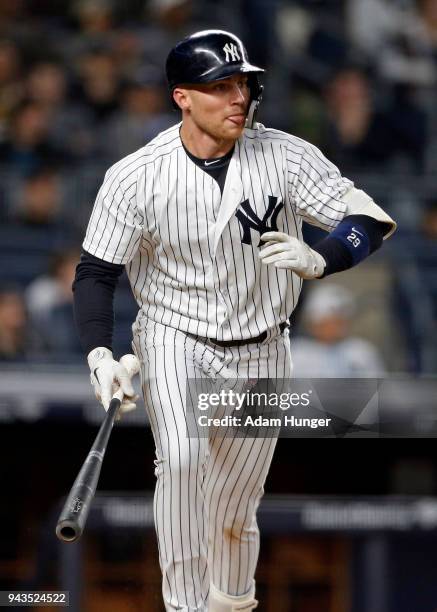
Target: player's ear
pixel 182 98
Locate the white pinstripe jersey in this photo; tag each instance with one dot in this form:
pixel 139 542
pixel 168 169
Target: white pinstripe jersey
pixel 191 252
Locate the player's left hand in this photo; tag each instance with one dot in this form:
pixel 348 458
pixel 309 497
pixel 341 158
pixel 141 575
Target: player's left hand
pixel 289 253
pixel 108 376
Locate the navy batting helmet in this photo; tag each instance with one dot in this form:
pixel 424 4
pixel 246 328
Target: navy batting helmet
pixel 209 56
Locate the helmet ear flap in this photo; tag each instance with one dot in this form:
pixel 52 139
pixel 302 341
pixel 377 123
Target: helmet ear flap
pixel 254 85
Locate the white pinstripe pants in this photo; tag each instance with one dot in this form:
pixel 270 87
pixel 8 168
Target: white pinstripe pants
pixel 207 490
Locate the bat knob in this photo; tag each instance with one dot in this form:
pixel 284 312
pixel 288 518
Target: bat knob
pixel 67 531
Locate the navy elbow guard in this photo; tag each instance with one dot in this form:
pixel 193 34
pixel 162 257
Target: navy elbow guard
pixel 354 239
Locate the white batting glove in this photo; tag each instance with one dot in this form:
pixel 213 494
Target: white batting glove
pixel 287 252
pixel 107 376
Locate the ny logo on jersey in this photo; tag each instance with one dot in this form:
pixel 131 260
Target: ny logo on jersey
pixel 250 220
pixel 231 51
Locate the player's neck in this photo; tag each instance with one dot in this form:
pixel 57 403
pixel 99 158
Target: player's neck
pixel 203 145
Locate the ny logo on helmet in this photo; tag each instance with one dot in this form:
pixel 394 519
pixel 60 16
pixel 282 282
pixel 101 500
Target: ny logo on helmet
pixel 249 219
pixel 231 51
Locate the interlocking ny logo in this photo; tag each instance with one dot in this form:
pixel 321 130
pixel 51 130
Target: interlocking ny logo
pixel 250 220
pixel 231 51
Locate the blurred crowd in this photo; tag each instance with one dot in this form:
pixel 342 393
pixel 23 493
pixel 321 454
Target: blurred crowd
pixel 82 84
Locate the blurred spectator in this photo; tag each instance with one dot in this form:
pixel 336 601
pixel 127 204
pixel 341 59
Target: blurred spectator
pixel 99 87
pixel 14 340
pixel 330 351
pixel 99 27
pixel 70 125
pixel 27 146
pixel 259 18
pixel 171 14
pixel 372 22
pixel 429 221
pixel 41 200
pixel 145 112
pixel 127 52
pixel 93 25
pixel 415 290
pixel 94 15
pixel 361 136
pixel 168 21
pixel 35 37
pixel 11 17
pixel 11 88
pixel 313 41
pixel 38 210
pixel 400 37
pixel 49 301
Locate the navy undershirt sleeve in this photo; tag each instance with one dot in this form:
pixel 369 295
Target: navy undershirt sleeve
pixel 93 289
pixel 354 239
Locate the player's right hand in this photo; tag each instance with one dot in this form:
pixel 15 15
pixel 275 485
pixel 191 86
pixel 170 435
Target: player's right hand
pixel 290 253
pixel 107 376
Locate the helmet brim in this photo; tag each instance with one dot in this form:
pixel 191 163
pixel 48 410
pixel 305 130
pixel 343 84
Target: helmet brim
pixel 222 72
pixel 225 71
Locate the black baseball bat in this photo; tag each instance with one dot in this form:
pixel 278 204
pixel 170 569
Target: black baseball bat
pixel 75 512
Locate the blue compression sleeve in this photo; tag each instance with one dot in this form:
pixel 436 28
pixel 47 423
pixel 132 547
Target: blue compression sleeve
pixel 94 288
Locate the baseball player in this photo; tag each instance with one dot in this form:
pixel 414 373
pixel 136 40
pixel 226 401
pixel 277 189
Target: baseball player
pixel 206 219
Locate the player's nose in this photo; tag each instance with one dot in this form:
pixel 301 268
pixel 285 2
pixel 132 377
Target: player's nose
pixel 239 94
